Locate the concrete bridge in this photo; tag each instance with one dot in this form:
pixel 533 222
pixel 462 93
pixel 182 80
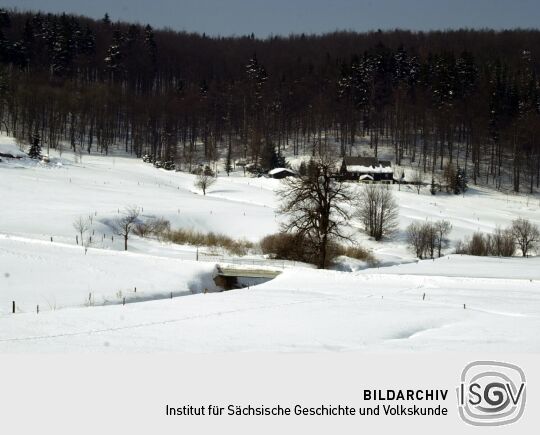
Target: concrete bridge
pixel 226 276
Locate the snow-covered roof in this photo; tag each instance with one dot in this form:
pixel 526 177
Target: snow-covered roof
pixel 278 170
pixel 370 169
pixel 8 147
pixel 366 177
pixel 367 165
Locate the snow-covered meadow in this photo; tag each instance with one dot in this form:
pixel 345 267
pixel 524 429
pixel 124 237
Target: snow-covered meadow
pixel 453 303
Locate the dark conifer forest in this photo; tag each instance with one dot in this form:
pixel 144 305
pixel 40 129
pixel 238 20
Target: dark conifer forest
pixel 466 98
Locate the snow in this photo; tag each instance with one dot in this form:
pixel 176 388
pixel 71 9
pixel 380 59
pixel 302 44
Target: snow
pixel 279 170
pixel 370 169
pixel 305 312
pixel 56 276
pixel 409 305
pixel 9 146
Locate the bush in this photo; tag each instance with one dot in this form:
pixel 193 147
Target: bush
pixel 295 247
pixel 429 238
pixel 197 238
pixel 355 252
pixel 141 229
pixel 285 246
pixel 169 165
pixel 500 244
pixel 203 170
pixel 157 227
pixel 478 245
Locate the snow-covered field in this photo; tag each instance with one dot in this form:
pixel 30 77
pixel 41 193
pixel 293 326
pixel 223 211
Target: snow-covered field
pixel 454 303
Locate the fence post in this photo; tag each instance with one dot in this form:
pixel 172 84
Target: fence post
pixel 37 309
pixel 13 307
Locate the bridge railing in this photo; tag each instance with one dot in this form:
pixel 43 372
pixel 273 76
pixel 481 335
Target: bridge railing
pixel 218 258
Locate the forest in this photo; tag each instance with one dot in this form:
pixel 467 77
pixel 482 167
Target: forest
pixel 465 98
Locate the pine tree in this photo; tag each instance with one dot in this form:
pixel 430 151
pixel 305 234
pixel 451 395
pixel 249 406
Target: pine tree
pixel 228 163
pixel 150 43
pixel 272 159
pixel 461 182
pixel 35 147
pixel 114 59
pixel 5 21
pixel 302 169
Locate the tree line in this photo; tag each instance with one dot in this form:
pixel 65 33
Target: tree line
pixel 465 98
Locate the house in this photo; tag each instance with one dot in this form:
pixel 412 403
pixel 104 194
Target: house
pixel 280 173
pixel 367 169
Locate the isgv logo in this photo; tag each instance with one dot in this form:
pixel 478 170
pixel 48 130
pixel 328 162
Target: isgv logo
pixel 491 393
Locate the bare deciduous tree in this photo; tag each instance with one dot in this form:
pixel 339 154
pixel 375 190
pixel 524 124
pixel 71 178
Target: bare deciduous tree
pixel 399 175
pixel 157 227
pixel 417 180
pixel 124 225
pixel 204 181
pixel 526 235
pixel 316 206
pixel 427 238
pixel 442 230
pixel 416 239
pixel 81 225
pixel 378 211
pixel 502 243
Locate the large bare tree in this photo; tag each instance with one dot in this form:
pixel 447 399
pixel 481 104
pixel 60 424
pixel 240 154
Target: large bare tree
pixel 125 224
pixel 317 207
pixel 526 235
pixel 204 181
pixel 378 211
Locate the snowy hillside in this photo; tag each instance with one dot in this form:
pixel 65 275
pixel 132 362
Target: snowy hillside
pixel 407 306
pixel 308 311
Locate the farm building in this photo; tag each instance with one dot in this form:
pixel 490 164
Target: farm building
pixel 367 169
pixel 281 173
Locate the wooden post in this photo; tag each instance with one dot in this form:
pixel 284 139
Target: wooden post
pixel 171 295
pixel 464 306
pixel 197 254
pixel 135 289
pixel 13 307
pixel 124 301
pixel 37 309
pixel 424 297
